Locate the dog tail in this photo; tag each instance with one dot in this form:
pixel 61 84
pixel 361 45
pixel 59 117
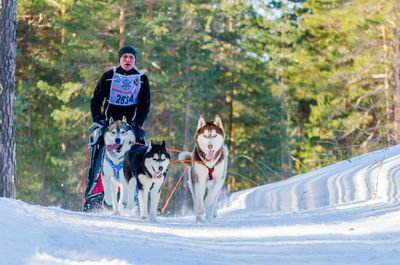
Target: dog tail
pixel 187 157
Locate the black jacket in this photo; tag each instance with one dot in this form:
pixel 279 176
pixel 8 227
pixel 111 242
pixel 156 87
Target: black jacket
pixel 117 112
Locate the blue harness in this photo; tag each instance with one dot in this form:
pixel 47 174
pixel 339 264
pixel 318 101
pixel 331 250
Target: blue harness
pixel 116 168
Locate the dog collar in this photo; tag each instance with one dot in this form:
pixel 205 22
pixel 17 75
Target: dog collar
pixel 116 168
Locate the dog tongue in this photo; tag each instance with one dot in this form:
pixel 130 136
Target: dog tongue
pixel 156 174
pixel 210 154
pixel 111 147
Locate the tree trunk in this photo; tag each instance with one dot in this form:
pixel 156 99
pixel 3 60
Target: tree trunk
pixel 286 166
pixel 63 34
pixel 229 101
pixel 122 4
pixel 150 6
pixel 396 76
pixel 8 48
pixel 186 129
pixel 388 94
pixel 187 100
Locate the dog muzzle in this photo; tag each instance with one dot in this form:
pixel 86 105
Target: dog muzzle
pixel 210 153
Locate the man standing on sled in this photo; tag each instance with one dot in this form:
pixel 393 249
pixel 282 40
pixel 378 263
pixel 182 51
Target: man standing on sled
pixel 134 106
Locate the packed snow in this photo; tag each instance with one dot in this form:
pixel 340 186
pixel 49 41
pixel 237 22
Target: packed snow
pixel 345 213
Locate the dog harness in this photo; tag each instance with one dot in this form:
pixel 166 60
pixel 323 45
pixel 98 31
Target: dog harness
pixel 116 168
pixel 210 171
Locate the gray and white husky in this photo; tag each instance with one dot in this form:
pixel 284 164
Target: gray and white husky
pixel 209 162
pixel 118 139
pixel 146 167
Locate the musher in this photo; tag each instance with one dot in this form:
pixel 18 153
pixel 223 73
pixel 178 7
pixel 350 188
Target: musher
pixel 134 105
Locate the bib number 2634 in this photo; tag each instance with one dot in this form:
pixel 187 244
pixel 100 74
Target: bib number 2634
pixel 123 100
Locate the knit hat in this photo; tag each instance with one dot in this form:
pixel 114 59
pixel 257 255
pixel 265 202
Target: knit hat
pixel 127 49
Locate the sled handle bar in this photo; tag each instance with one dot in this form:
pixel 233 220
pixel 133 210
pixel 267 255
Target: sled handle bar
pixel 94 129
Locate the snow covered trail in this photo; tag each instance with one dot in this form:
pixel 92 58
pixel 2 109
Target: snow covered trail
pixel 349 234
pixel 346 213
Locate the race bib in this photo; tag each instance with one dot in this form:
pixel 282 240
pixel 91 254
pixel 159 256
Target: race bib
pixel 124 89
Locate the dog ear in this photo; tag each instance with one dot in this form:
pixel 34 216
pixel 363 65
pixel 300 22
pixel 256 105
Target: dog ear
pixel 124 119
pixel 218 122
pixel 163 144
pixel 111 120
pixel 201 122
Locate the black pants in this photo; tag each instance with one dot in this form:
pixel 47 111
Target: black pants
pixel 140 135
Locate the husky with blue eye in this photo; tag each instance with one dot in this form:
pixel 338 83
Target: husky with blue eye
pixel 146 167
pixel 208 167
pixel 118 139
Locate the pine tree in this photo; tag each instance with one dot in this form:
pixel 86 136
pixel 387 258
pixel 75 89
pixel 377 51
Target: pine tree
pixel 340 56
pixel 8 49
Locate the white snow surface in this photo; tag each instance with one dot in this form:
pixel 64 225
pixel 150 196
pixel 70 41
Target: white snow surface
pixel 345 213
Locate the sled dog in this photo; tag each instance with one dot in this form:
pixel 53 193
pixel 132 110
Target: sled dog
pixel 209 162
pixel 146 167
pixel 118 139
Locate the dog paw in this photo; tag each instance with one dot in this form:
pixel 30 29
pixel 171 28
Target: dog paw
pixel 209 218
pixel 143 218
pixel 153 218
pixel 200 220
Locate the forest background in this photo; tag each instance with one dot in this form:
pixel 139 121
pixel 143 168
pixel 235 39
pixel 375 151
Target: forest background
pixel 298 84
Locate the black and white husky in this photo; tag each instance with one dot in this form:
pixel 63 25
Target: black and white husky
pixel 209 162
pixel 118 139
pixel 146 167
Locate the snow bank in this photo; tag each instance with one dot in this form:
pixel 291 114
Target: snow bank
pixel 371 176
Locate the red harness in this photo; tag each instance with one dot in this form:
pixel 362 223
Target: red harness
pixel 210 175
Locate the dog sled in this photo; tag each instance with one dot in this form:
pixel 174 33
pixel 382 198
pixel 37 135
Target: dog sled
pixel 94 193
